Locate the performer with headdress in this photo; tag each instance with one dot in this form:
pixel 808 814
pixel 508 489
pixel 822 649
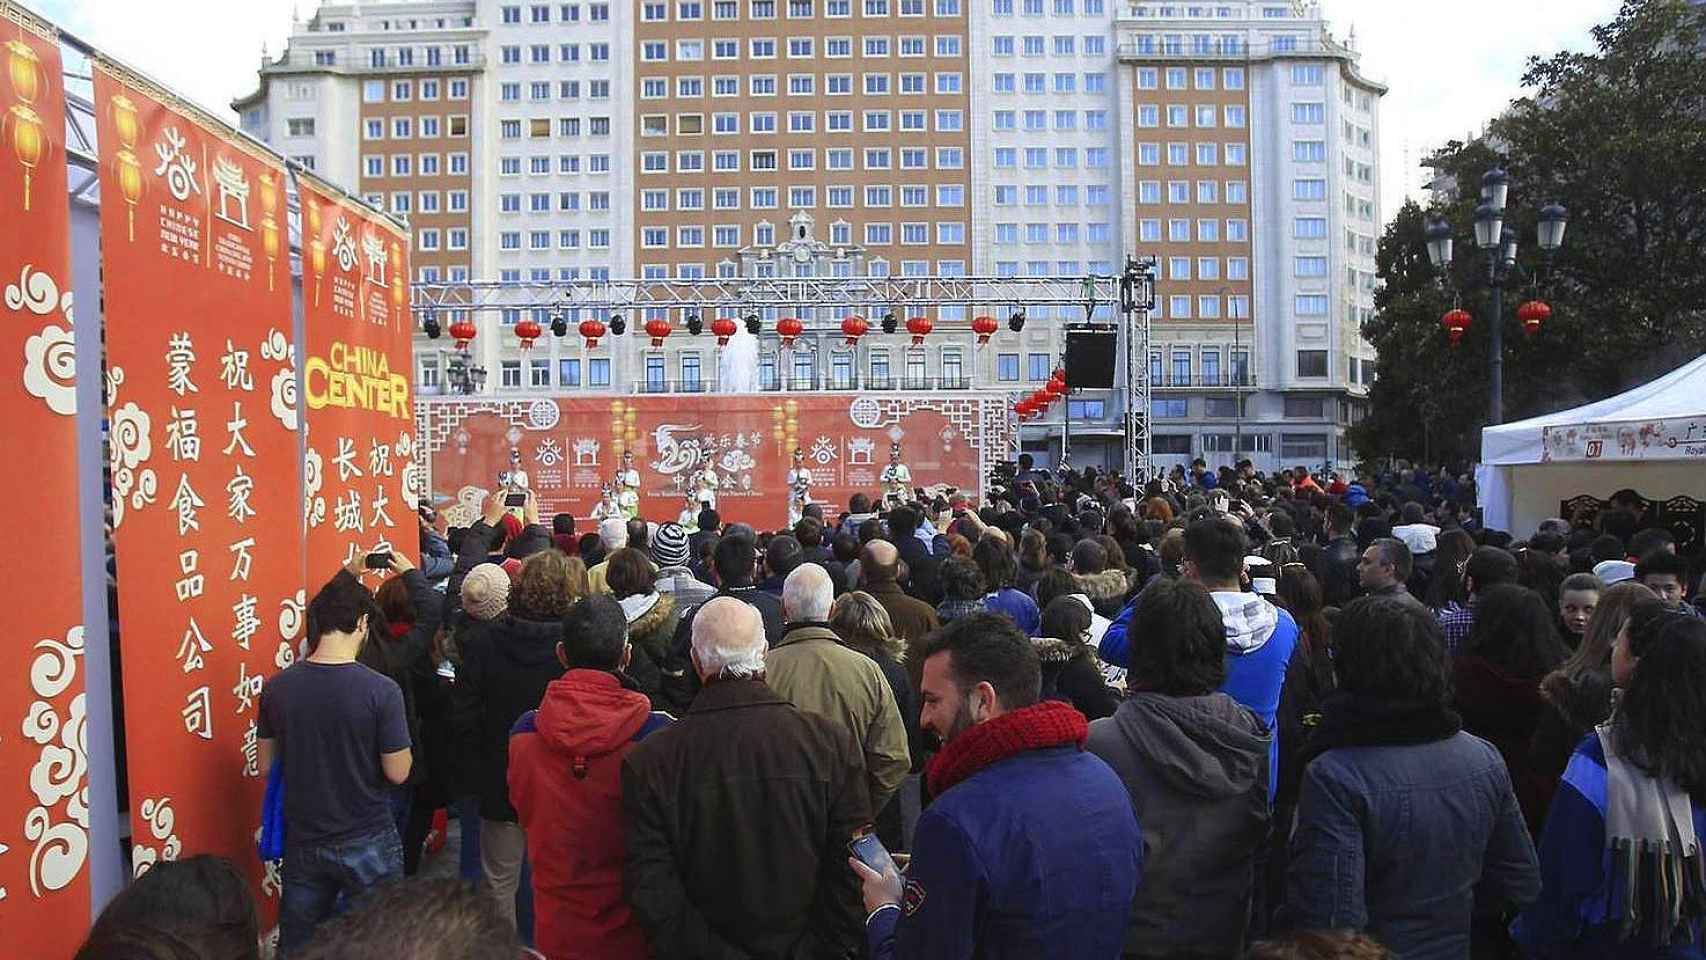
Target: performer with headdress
pixel 705 482
pixel 689 518
pixel 628 486
pixel 607 506
pixel 799 487
pixel 896 479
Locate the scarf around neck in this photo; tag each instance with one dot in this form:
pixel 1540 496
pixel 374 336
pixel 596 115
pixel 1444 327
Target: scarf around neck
pixel 1655 854
pixel 1350 720
pixel 1050 723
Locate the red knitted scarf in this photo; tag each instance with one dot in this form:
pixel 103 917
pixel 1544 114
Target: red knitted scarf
pixel 1051 723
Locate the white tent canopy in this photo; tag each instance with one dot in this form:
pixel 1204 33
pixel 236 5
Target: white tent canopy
pixel 1651 439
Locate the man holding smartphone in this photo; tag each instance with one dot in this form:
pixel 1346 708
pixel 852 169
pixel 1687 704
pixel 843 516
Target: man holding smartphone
pixel 1031 849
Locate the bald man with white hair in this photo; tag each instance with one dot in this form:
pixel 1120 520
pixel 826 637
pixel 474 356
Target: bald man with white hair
pixel 739 814
pixel 815 672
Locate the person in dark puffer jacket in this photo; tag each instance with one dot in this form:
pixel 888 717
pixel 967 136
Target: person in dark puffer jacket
pixel 1195 763
pixel 507 662
pixel 1071 670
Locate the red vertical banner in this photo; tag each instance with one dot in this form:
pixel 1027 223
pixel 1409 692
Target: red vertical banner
pixel 44 798
pixel 202 405
pixel 361 481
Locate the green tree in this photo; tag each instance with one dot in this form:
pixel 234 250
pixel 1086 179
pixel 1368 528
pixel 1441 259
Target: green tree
pixel 1618 136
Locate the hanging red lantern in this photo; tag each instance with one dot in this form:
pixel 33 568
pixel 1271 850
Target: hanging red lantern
pixel 1533 314
pixel 985 328
pixel 528 331
pixel 789 328
pixel 724 328
pixel 854 328
pixel 1055 388
pixel 919 327
pixel 1455 322
pixel 657 328
pixel 463 330
pixel 1022 408
pixel 592 330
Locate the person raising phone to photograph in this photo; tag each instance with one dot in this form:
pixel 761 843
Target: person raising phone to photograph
pixel 1019 808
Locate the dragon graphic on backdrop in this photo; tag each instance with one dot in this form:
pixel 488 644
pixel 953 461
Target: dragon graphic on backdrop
pixel 675 457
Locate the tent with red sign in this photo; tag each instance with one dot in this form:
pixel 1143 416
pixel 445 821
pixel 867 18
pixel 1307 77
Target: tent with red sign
pixel 1651 439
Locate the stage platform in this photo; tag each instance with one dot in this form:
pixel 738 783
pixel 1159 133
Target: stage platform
pixel 570 446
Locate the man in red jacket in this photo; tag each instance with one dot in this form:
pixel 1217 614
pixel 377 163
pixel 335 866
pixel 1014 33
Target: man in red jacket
pixel 565 781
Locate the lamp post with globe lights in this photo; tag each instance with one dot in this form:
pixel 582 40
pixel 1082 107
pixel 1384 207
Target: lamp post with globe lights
pixel 1498 241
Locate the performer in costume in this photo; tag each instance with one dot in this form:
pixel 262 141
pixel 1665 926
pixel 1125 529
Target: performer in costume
pixel 628 486
pixel 799 487
pixel 689 518
pixel 607 505
pixel 705 483
pixel 896 479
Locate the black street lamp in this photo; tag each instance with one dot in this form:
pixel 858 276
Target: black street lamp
pixel 465 378
pixel 1499 243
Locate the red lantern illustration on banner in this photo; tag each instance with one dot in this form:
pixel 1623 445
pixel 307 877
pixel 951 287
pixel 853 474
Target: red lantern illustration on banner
pixel 920 327
pixel 1455 322
pixel 1533 314
pixel 463 331
pixel 789 328
pixel 528 331
pixel 853 328
pixel 723 328
pixel 29 139
pixel 658 328
pixel 592 330
pixel 985 328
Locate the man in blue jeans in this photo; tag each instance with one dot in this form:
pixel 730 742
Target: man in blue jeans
pixel 340 731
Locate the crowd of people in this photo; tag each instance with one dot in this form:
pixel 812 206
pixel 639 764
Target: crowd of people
pixel 1221 715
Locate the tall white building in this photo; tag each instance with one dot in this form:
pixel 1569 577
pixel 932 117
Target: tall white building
pixel 1234 141
pixel 1253 177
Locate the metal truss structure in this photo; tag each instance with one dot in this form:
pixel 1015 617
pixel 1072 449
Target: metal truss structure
pixel 1121 302
pixel 737 295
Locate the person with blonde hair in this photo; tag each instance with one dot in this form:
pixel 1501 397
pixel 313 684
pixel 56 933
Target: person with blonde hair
pixel 863 625
pixel 738 813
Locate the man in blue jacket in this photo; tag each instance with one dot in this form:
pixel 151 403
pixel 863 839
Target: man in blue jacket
pixel 1031 848
pixel 1260 637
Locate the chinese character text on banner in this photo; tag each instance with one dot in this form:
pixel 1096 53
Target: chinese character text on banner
pixel 202 401
pixel 362 484
pixel 44 800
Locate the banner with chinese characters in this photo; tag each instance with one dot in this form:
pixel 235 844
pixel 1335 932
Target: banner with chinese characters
pixel 1670 438
pixel 740 447
pixel 360 493
pixel 44 798
pixel 202 405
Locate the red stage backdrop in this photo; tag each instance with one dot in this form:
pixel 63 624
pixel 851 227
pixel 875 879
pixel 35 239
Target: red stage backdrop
pixel 571 446
pixel 356 396
pixel 44 798
pixel 207 519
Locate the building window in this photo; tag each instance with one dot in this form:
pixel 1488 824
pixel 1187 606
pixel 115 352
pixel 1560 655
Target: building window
pixel 598 372
pixel 1312 363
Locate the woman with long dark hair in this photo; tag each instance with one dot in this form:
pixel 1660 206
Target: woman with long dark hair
pixel 1070 669
pixel 1406 826
pixel 1497 674
pixel 1578 693
pixel 1620 856
pixel 1446 588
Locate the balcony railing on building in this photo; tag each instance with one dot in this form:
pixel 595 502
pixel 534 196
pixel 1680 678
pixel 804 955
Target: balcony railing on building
pixel 815 383
pixel 1170 47
pixel 1208 380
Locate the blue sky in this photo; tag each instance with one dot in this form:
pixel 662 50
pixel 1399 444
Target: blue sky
pixel 1450 64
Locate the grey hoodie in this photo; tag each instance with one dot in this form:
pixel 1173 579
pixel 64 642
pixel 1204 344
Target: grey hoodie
pixel 1197 772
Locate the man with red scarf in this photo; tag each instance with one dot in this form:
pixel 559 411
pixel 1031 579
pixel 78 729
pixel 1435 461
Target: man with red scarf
pixel 1031 848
